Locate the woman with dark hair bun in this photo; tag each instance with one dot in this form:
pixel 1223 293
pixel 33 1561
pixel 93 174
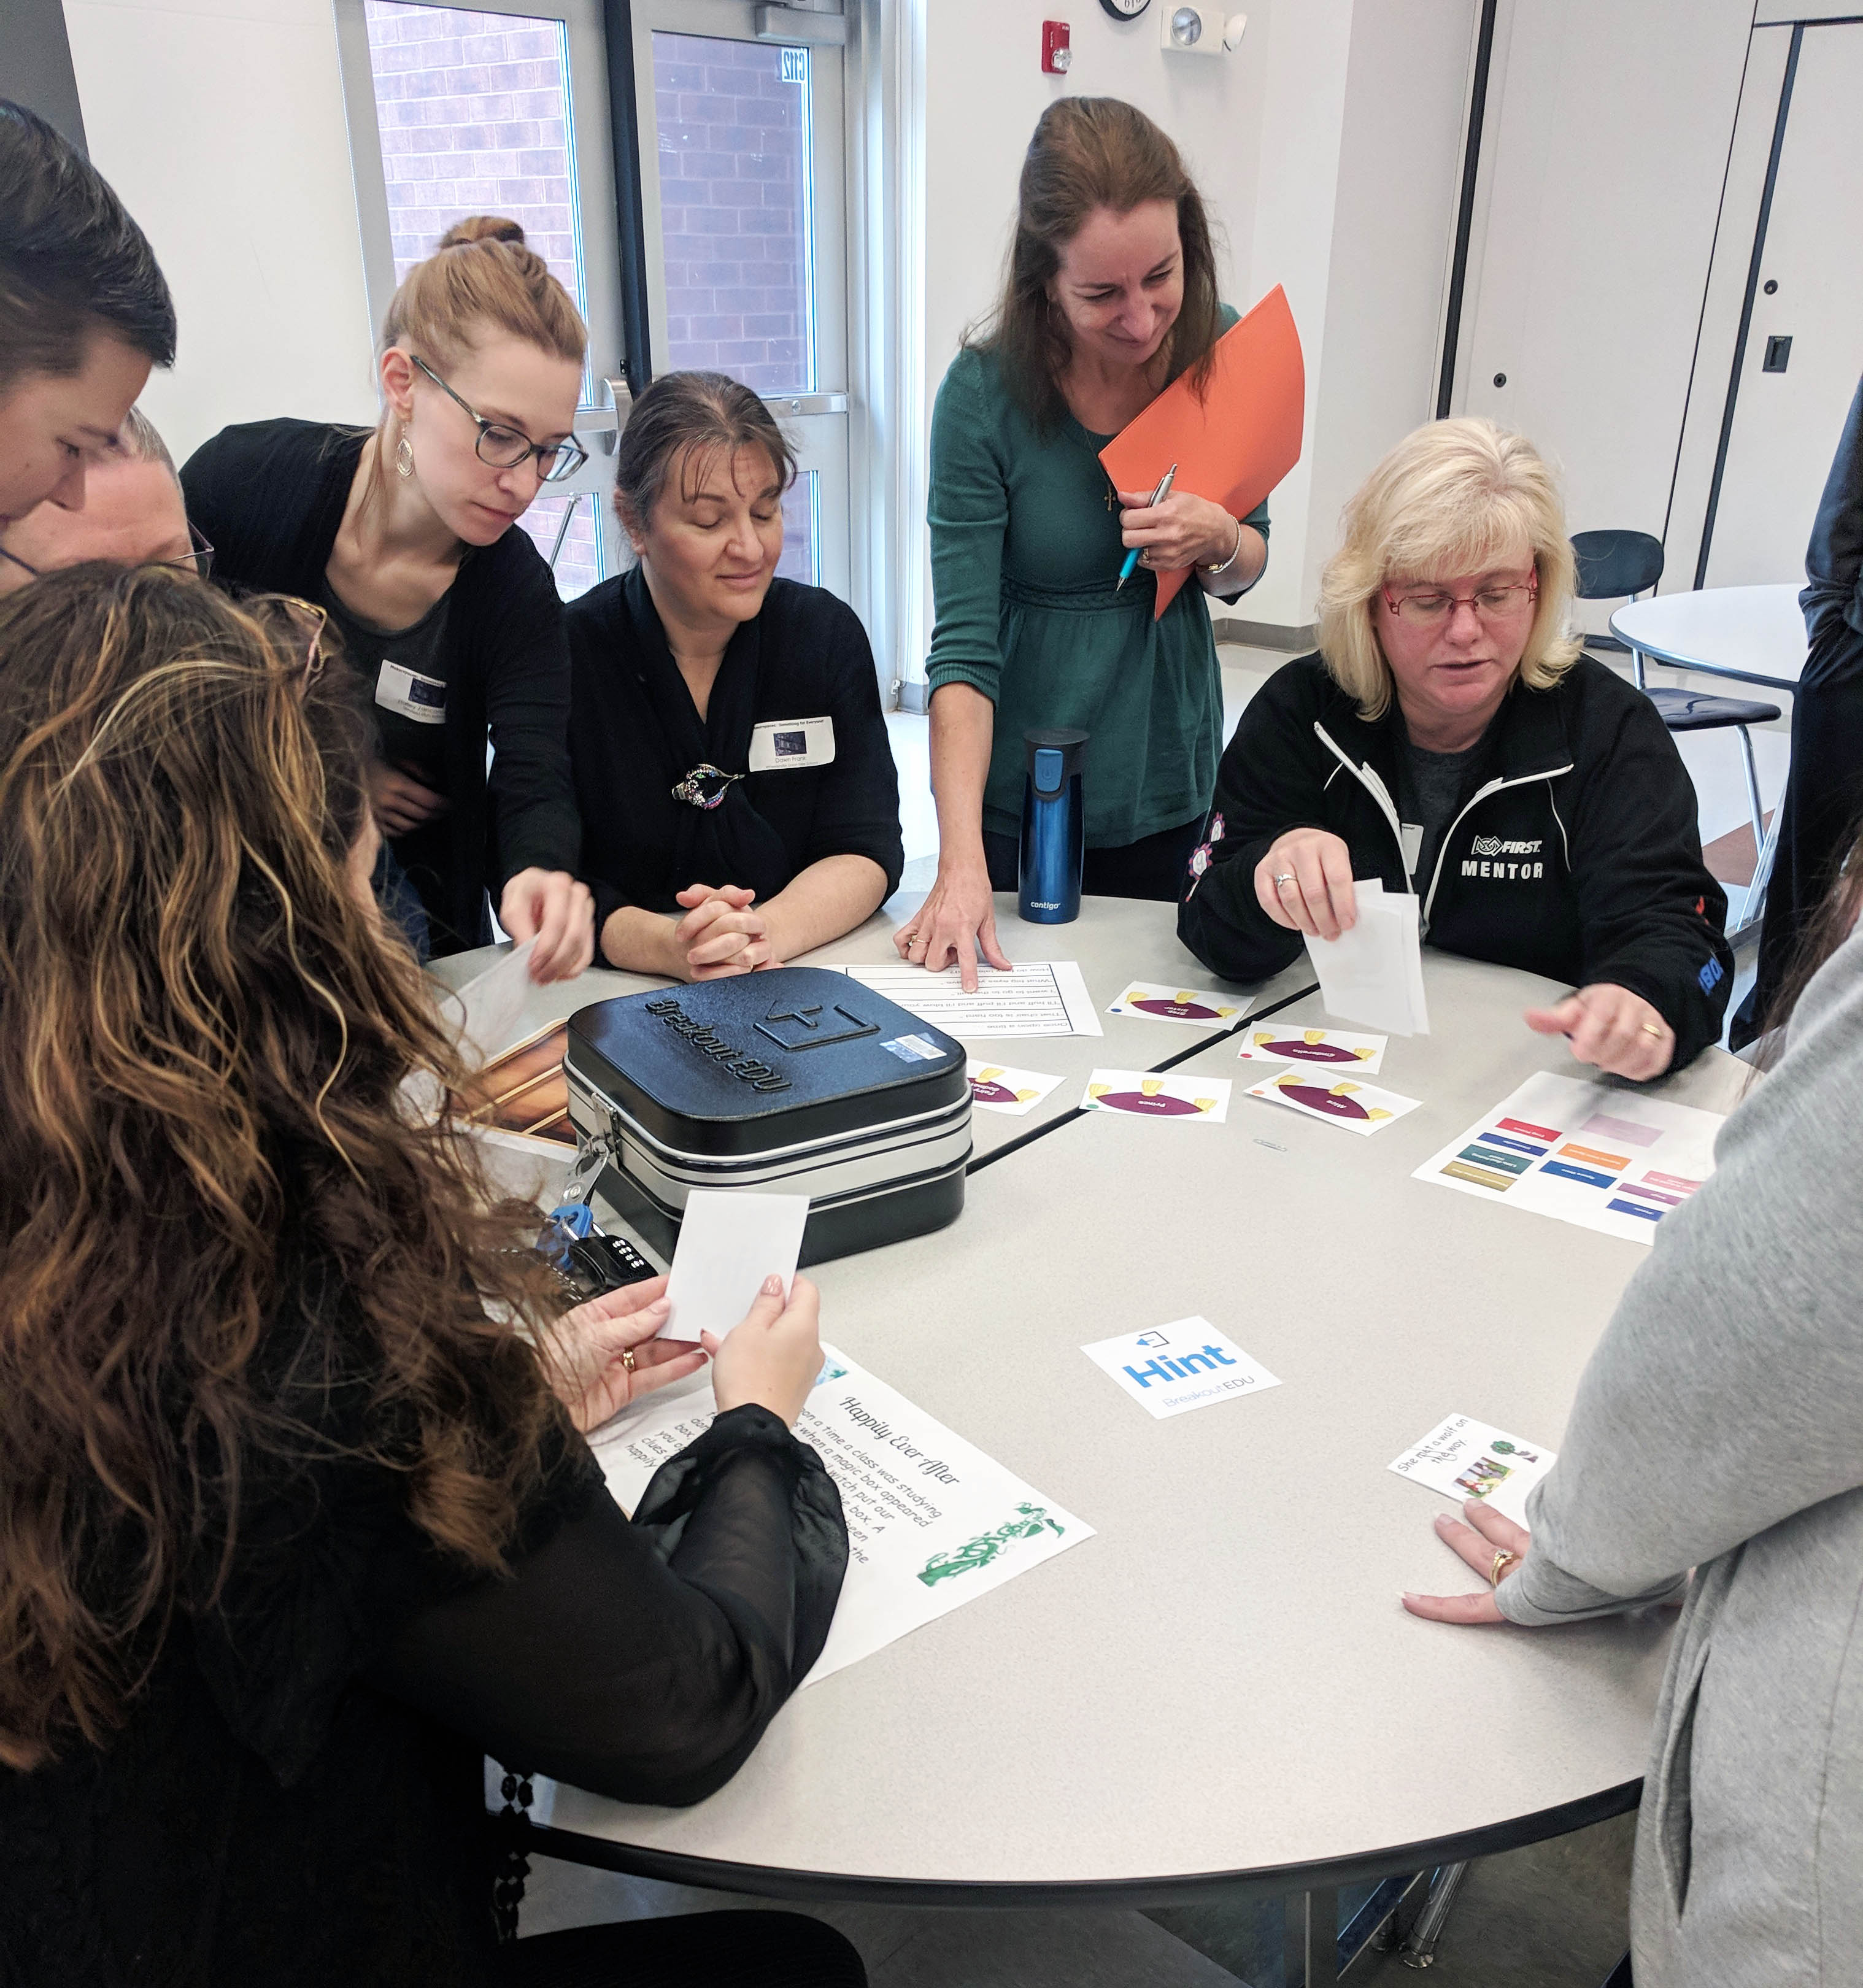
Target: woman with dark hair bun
pixel 738 799
pixel 296 1518
pixel 84 313
pixel 1110 295
pixel 402 534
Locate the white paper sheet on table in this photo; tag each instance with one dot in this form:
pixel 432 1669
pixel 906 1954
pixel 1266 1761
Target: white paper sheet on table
pixel 1374 973
pixel 1034 997
pixel 492 1001
pixel 729 1241
pixel 932 1522
pixel 1465 1458
pixel 1590 1154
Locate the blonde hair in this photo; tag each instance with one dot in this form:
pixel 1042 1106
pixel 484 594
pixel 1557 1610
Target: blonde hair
pixel 1453 497
pixel 482 274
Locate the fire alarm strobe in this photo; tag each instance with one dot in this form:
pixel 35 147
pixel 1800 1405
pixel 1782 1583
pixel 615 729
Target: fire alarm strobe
pixel 1056 48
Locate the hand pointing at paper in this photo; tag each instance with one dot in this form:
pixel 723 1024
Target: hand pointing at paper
pixel 1612 1028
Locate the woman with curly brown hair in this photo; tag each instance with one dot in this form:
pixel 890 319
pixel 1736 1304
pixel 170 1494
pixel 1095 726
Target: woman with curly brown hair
pixel 294 1520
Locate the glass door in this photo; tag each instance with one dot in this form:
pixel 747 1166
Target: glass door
pixel 499 108
pixel 743 154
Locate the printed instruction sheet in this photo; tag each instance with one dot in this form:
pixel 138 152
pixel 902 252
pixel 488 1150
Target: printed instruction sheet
pixel 1034 997
pixel 1590 1154
pixel 931 1521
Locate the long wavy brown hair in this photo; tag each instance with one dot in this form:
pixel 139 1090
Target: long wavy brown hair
pixel 213 1060
pixel 1090 152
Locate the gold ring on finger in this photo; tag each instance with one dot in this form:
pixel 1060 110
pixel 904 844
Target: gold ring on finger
pixel 1500 1567
pixel 627 1357
pixel 1652 1028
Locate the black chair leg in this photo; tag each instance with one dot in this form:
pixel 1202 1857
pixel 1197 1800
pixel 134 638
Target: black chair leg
pixel 1619 1975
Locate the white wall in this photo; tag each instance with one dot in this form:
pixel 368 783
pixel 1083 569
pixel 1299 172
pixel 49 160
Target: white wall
pixel 220 123
pixel 1405 95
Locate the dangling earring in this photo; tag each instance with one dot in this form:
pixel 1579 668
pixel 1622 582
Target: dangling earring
pixel 404 458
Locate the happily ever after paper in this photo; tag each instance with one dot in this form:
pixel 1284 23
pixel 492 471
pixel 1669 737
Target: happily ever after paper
pixel 1465 1458
pixel 932 1522
pixel 1591 1154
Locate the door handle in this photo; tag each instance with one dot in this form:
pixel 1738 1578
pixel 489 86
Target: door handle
pixel 806 404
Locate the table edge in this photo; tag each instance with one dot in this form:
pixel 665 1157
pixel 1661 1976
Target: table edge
pixel 1138 1893
pixel 1675 660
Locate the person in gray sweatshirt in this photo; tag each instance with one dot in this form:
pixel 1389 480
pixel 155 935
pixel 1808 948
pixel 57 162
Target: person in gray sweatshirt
pixel 1719 1426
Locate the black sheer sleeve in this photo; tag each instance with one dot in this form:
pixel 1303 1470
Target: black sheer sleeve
pixel 643 1660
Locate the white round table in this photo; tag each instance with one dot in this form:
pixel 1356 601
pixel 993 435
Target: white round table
pixel 1755 634
pixel 1219 1691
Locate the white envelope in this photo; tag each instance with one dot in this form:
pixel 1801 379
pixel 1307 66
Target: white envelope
pixel 729 1241
pixel 1374 973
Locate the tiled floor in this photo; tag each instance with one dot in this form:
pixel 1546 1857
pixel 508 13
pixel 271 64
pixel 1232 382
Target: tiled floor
pixel 1551 1916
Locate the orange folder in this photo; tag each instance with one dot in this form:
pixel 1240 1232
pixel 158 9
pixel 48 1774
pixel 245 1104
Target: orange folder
pixel 1235 442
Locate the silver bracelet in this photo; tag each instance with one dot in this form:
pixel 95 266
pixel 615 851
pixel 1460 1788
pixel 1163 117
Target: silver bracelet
pixel 1213 570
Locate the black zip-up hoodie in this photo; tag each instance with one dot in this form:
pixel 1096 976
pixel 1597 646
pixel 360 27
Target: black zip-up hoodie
pixel 1575 852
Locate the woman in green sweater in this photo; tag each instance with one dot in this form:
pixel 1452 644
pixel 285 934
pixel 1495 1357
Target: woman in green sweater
pixel 1110 294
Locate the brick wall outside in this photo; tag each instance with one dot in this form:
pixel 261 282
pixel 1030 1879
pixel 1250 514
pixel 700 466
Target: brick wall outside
pixel 474 112
pixel 732 216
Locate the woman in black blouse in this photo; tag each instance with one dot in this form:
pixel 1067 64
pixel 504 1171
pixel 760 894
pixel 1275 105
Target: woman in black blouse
pixel 404 535
pixel 297 1521
pixel 738 801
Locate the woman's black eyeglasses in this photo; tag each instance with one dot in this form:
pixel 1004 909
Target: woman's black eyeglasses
pixel 505 446
pixel 200 561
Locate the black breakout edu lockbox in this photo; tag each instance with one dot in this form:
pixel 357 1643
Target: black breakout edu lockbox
pixel 795 1081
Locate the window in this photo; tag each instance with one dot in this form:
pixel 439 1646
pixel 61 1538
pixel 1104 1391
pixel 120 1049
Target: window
pixel 475 111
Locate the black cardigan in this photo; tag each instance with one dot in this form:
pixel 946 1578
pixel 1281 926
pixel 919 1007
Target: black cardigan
pixel 270 497
pixel 634 733
pixel 1577 854
pixel 297 1797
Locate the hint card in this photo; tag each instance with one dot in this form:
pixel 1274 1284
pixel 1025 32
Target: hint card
pixel 1175 1367
pixel 1465 1458
pixel 729 1241
pixel 1153 1001
pixel 1358 1107
pixel 1139 1094
pixel 494 1003
pixel 1323 1049
pixel 994 1086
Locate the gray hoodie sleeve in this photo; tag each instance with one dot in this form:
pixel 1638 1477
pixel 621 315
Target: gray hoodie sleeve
pixel 1725 1395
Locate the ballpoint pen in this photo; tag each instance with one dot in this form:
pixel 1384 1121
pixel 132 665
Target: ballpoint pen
pixel 1157 497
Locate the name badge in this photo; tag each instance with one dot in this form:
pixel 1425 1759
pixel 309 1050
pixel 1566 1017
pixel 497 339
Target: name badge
pixel 1411 839
pixel 792 741
pixel 401 689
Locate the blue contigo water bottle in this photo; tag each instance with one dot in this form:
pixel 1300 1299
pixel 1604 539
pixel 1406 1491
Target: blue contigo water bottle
pixel 1053 827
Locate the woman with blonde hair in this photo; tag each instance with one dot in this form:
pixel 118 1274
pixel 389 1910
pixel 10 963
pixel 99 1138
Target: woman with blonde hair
pixel 296 1518
pixel 1449 738
pixel 403 535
